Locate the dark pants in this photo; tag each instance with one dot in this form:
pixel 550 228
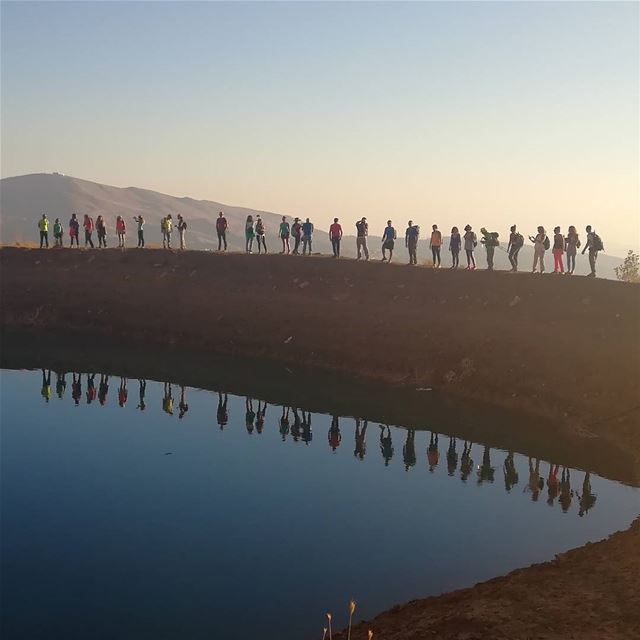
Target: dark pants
pixel 455 256
pixel 296 244
pixel 102 240
pixel 435 252
pixel 75 237
pixel 513 257
pixel 222 239
pixel 335 244
pixel 470 259
pixel 306 243
pixel 44 239
pixel 571 262
pixel 593 257
pixel 88 240
pixel 262 243
pixel 412 246
pixel 490 253
pixel 140 238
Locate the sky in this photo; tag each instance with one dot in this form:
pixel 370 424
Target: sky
pixel 447 113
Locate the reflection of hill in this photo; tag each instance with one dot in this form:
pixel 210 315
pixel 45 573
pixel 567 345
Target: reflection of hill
pixel 23 198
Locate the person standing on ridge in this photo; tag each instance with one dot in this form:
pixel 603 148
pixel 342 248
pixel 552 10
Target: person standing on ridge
pixel 43 226
pixel 594 244
pixel 434 244
pixel 307 232
pixel 101 231
pixel 540 245
pixel 455 242
pixel 516 241
pixel 74 229
pixel 121 231
pixel 571 244
pixel 221 231
pixel 182 229
pixel 139 220
pixel 335 236
pixel 388 241
pixel 362 232
pixel 558 251
pixel 167 229
pixel 490 241
pixel 260 234
pixel 411 241
pixel 284 232
pixel 470 243
pixel 249 233
pixel 296 232
pixel 88 230
pixel 57 233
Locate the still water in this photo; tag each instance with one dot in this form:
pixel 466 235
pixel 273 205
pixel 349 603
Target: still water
pixel 140 509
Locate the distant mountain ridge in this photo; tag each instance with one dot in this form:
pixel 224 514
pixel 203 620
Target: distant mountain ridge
pixel 24 198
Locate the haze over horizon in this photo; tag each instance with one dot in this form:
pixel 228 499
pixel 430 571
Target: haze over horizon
pixel 518 112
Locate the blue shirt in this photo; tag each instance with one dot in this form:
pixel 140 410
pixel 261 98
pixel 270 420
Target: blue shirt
pixel 389 233
pixel 307 228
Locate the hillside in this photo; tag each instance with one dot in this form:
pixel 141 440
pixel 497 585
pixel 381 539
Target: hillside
pixel 24 198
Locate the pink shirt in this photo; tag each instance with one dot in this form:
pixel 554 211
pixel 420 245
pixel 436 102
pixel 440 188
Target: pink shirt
pixel 335 230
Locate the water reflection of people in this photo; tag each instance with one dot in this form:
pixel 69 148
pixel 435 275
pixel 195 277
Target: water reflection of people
pixel 91 388
pixel 123 394
pixel 452 457
pixel 553 484
pixel 142 390
pixel 61 384
pixel 167 399
pixel 284 423
pixel 103 389
pixel 296 426
pixel 433 455
pixel 260 415
pixel 334 436
pixel 222 413
pixel 386 446
pixel 486 472
pixel 566 493
pixel 45 392
pixel 307 433
pixel 466 461
pixel 360 450
pixel 183 407
pixel 250 415
pixel 409 450
pixel 588 498
pixel 536 483
pixel 509 471
pixel 76 388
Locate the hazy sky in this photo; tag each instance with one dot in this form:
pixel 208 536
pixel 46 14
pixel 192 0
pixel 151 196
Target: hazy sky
pixel 490 113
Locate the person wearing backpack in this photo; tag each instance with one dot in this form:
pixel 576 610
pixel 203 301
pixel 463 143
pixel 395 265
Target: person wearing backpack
pixel 284 232
pixel 540 245
pixel 307 232
pixel 221 231
pixel 296 232
pixel 594 244
pixel 88 230
pixel 43 226
pixel 490 241
pixel 260 234
pixel 362 231
pixel 455 242
pixel 57 233
pixel 470 243
pixel 121 231
pixel 74 229
pixel 411 241
pixel 167 230
pixel 558 251
pixel 182 229
pixel 571 246
pixel 516 241
pixel 101 231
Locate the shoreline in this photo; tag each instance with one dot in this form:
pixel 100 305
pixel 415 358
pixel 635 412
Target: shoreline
pixel 561 349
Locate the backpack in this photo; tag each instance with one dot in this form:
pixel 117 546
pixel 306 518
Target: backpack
pixel 519 240
pixel 596 243
pixel 547 242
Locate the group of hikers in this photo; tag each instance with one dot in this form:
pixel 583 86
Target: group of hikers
pixel 300 234
pixel 291 421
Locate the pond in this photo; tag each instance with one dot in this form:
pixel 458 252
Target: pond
pixel 142 509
